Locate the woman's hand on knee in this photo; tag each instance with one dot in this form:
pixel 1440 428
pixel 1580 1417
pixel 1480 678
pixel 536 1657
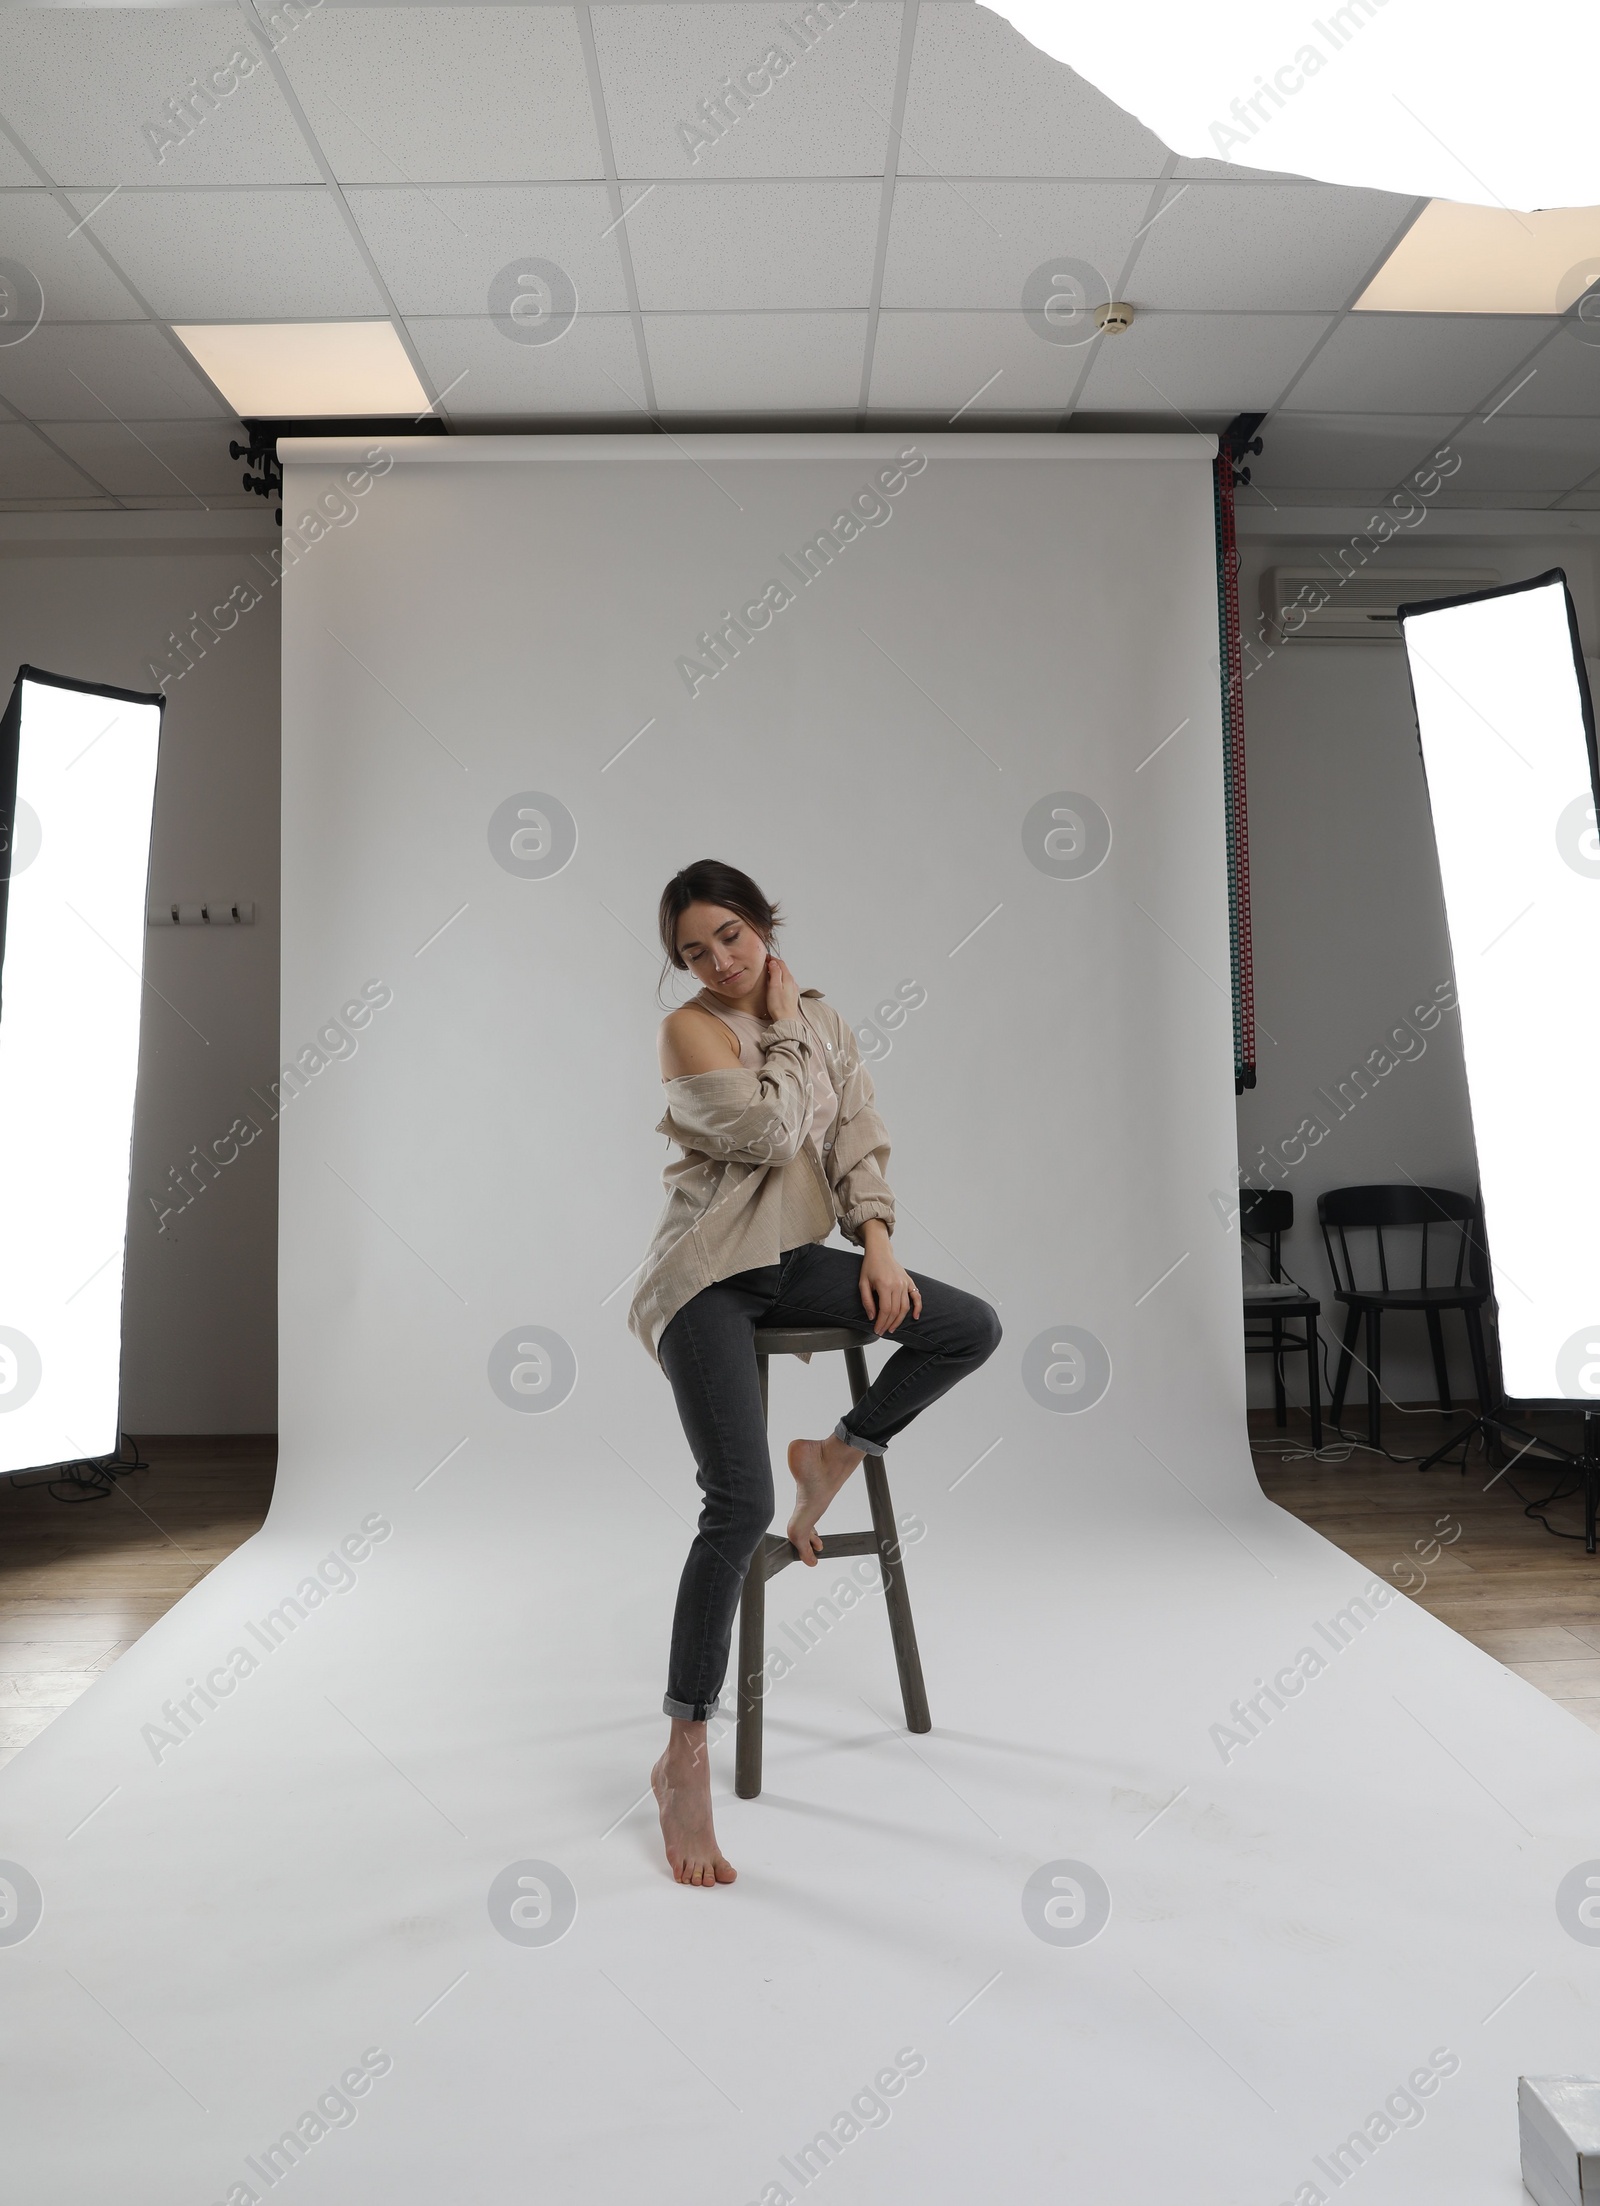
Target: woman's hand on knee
pixel 887 1289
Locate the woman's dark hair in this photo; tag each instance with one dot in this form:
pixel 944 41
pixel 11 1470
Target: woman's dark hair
pixel 709 881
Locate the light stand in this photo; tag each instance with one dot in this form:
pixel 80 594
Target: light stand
pixel 1506 728
pixel 77 793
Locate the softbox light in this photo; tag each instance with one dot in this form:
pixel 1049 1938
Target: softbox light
pixel 1508 748
pixel 77 786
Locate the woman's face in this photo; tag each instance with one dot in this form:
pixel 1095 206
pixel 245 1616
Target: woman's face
pixel 723 951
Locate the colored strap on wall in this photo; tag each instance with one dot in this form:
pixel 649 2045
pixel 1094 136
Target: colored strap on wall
pixel 1238 824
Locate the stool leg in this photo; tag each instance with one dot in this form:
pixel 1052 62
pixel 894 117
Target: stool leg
pixel 1374 1364
pixel 913 1693
pixel 902 1631
pixel 1313 1382
pixel 750 1682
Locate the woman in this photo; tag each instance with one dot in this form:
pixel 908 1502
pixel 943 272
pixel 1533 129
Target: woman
pixel 772 1109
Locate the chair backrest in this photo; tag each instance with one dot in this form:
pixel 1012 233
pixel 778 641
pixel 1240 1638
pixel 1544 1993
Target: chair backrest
pixel 1400 1219
pixel 1266 1214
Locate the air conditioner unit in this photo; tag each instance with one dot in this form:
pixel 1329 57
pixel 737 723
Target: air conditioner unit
pixel 1340 603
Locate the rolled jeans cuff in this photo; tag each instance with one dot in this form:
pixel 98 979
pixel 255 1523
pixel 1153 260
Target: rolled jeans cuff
pixel 690 1711
pixel 841 1431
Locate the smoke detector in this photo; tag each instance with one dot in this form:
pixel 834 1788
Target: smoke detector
pixel 1114 318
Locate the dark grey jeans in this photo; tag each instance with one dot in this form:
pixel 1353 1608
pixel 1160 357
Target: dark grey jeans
pixel 708 1353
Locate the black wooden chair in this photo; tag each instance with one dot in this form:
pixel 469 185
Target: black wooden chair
pixel 1266 1214
pixel 1400 1221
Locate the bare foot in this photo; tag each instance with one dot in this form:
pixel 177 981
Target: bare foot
pixel 820 1468
pixel 681 1782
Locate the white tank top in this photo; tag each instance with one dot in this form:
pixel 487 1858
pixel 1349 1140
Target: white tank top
pixel 748 1031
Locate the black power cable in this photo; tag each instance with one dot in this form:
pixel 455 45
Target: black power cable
pixel 91 1479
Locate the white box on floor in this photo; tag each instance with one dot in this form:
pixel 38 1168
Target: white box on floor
pixel 1559 2121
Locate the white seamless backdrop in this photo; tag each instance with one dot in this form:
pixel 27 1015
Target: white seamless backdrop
pixel 1020 624
pixel 1207 1809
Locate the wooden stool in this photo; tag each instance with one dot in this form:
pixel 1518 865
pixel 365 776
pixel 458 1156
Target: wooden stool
pixel 776 1552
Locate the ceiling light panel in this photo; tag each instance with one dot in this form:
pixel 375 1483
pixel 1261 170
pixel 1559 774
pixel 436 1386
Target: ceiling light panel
pixel 274 369
pixel 1457 259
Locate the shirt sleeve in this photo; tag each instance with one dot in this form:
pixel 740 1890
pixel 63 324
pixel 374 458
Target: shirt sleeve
pixel 859 1158
pixel 744 1116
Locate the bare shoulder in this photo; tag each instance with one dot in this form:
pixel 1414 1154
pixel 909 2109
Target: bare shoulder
pixel 692 1040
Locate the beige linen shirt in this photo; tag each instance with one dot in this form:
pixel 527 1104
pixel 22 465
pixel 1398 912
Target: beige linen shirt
pixel 751 1182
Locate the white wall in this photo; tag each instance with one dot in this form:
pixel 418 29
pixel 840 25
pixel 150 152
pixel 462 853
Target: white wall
pixel 98 596
pixel 1349 929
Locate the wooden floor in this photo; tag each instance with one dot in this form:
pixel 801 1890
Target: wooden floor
pixel 1460 1545
pixel 79 1583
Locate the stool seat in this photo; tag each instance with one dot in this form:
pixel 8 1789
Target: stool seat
pixel 806 1340
pixel 775 1553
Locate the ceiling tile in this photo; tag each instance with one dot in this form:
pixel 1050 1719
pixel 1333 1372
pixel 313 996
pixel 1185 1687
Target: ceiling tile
pixel 77 284
pixel 441 246
pixel 89 92
pixel 983 102
pixel 85 371
pixel 446 94
pixel 1563 377
pixel 755 363
pixel 1514 501
pixel 592 369
pixel 1231 171
pixel 1263 248
pixel 1343 452
pixel 13 168
pixel 29 469
pixel 239 256
pixel 1397 363
pixel 765 244
pixel 154 458
pixel 824 111
pixel 928 361
pixel 1178 363
pixel 1510 453
pixel 976 244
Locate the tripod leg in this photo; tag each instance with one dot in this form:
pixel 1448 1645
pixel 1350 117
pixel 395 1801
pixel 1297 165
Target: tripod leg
pixel 1480 1379
pixel 1591 1478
